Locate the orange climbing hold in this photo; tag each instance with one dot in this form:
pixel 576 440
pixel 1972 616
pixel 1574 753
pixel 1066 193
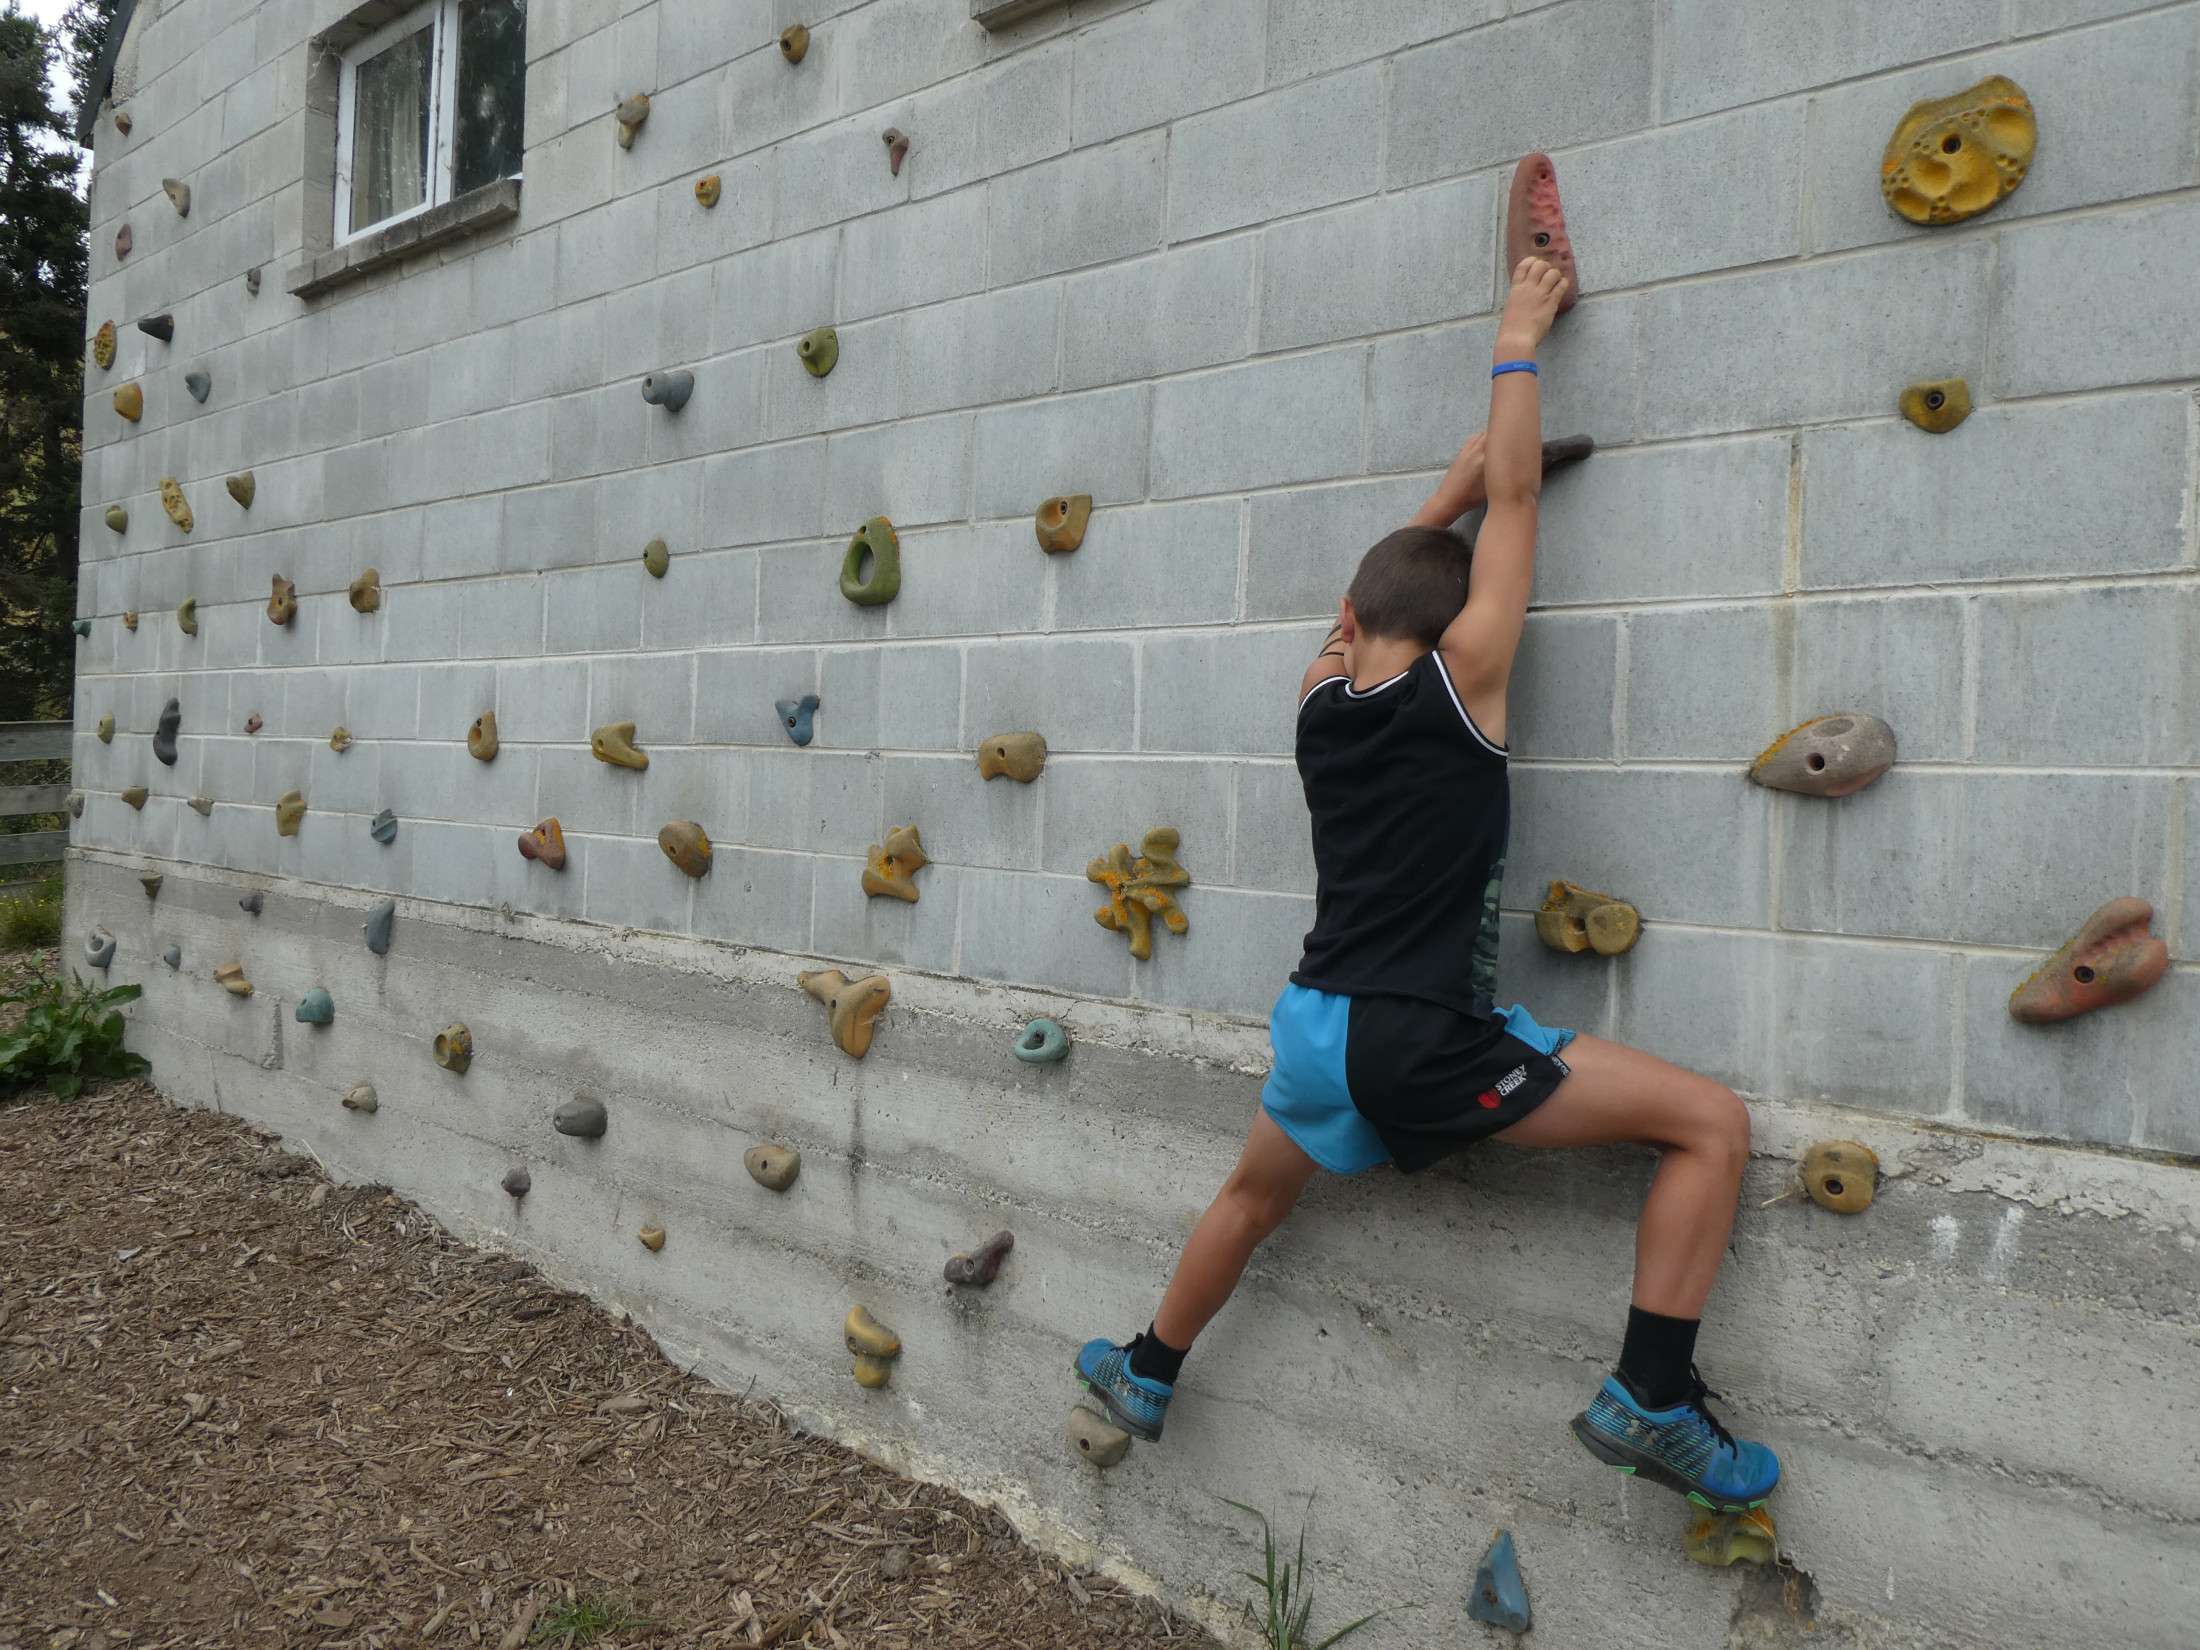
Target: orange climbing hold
pixel 895 864
pixel 544 844
pixel 855 1005
pixel 2111 960
pixel 1953 157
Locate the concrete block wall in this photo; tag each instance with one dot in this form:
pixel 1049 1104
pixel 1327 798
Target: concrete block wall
pixel 1231 267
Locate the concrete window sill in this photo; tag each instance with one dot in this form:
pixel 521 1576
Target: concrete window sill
pixel 995 14
pixel 476 210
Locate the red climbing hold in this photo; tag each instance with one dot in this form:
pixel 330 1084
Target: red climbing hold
pixel 1535 224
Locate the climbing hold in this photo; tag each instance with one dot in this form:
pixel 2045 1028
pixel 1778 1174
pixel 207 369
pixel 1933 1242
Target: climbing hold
pixel 316 1008
pixel 252 280
pixel 1953 157
pixel 1827 756
pixel 129 619
pixel 1732 1538
pixel 252 723
pixel 582 1117
pixel 105 732
pixel 282 600
pixel 631 112
pixel 366 592
pixel 202 805
pixel 798 716
pixel 894 866
pixel 199 383
pixel 707 190
pixel 122 121
pixel 179 195
pixel 164 735
pixel 242 488
pixel 1094 1438
pixel 339 739
pixel 517 1182
pixel 897 148
pixel 656 558
pixel 103 345
pixel 653 1238
pixel 772 1167
pixel 361 1097
pixel 1575 918
pixel 83 627
pixel 76 804
pixel 173 501
pixel 230 977
pixel 1841 1175
pixel 614 743
pixel 1937 405
pixel 377 927
pixel 870 573
pixel 855 1005
pixel 384 827
pixel 874 1345
pixel 1535 224
pixel 1061 522
pixel 819 350
pixel 1136 889
pixel 173 956
pixel 290 811
pixel 99 948
pixel 130 402
pixel 454 1048
pixel 794 41
pixel 118 521
pixel 1042 1042
pixel 253 903
pixel 162 327
pixel 2110 960
pixel 481 738
pixel 686 846
pixel 1500 1596
pixel 187 615
pixel 124 240
pixel 669 388
pixel 545 843
pixel 150 881
pixel 983 1264
pixel 1562 450
pixel 135 796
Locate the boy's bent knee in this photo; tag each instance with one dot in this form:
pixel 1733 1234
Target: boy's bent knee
pixel 1726 1124
pixel 1260 1209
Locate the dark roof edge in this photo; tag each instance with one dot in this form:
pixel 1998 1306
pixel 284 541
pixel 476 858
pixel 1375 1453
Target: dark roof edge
pixel 96 93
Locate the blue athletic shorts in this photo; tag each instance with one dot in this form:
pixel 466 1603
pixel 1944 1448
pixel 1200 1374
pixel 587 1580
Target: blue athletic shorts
pixel 1359 1081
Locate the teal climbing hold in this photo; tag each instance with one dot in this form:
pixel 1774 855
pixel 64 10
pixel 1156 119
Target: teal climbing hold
pixel 798 715
pixel 1042 1042
pixel 377 926
pixel 317 1008
pixel 1500 1596
pixel 83 627
pixel 384 828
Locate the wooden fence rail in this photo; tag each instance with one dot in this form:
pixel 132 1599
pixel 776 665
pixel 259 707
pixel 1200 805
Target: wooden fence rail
pixel 33 742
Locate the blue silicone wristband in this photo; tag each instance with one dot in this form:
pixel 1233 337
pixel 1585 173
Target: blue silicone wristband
pixel 1504 367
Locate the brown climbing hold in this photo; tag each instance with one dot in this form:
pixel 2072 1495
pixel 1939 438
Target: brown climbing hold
pixel 855 1005
pixel 897 148
pixel 150 881
pixel 129 619
pixel 1136 889
pixel 1828 756
pixel 894 866
pixel 772 1167
pixel 243 489
pixel 614 743
pixel 135 796
pixel 340 740
pixel 454 1048
pixel 1721 1539
pixel 230 975
pixel 1937 405
pixel 707 190
pixel 794 41
pixel 1841 1175
pixel 1953 157
pixel 481 738
pixel 1577 919
pixel 2110 960
pixel 118 521
pixel 122 121
pixel 1061 522
pixel 874 1345
pixel 103 345
pixel 544 844
pixel 253 724
pixel 282 600
pixel 653 1238
pixel 657 558
pixel 124 240
pixel 173 501
pixel 360 1097
pixel 632 111
pixel 179 195
pixel 1095 1438
pixel 290 812
pixel 1535 224
pixel 686 846
pixel 187 615
pixel 130 402
pixel 983 1265
pixel 106 729
pixel 1017 756
pixel 366 592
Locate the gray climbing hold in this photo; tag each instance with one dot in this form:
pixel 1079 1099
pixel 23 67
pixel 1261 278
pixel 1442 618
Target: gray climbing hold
pixel 317 1008
pixel 1500 1596
pixel 1095 1438
pixel 173 956
pixel 164 736
pixel 252 280
pixel 99 948
pixel 162 327
pixel 253 903
pixel 517 1182
pixel 76 804
pixel 377 926
pixel 798 717
pixel 362 1098
pixel 199 383
pixel 202 805
pixel 384 828
pixel 581 1117
pixel 1042 1042
pixel 669 388
pixel 179 195
pixel 150 881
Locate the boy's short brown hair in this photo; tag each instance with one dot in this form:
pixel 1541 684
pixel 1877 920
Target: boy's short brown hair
pixel 1412 584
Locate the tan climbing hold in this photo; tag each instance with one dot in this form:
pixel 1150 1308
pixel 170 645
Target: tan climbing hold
pixel 653 1238
pixel 614 743
pixel 707 190
pixel 118 521
pixel 122 121
pixel 874 1346
pixel 290 812
pixel 772 1167
pixel 135 796
pixel 129 619
pixel 1841 1175
pixel 103 345
pixel 1061 522
pixel 243 489
pixel 794 41
pixel 187 615
pixel 895 864
pixel 201 805
pixel 360 1097
pixel 657 558
pixel 1094 1438
pixel 897 148
pixel 1137 889
pixel 1828 756
pixel 282 600
pixel 179 195
pixel 481 738
pixel 632 111
pixel 1017 756
pixel 366 592
pixel 1576 919
pixel 173 501
pixel 130 402
pixel 1937 405
pixel 454 1048
pixel 1953 157
pixel 340 740
pixel 855 1005
pixel 105 731
pixel 230 976
pixel 545 844
pixel 2110 960
pixel 686 845
pixel 1721 1539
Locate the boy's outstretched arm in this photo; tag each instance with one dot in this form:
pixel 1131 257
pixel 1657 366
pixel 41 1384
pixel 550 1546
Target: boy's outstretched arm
pixel 1479 644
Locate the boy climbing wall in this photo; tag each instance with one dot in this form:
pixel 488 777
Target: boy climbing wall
pixel 1384 1051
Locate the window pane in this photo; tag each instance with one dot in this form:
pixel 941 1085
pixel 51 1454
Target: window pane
pixel 389 131
pixel 492 80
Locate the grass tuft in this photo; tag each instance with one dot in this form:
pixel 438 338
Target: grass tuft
pixel 584 1619
pixel 1286 1604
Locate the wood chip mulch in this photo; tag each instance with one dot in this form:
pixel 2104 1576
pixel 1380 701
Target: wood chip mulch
pixel 241 1406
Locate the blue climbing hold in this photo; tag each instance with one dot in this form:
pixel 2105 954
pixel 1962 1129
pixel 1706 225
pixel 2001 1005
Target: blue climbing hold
pixel 1042 1043
pixel 798 716
pixel 1500 1596
pixel 384 828
pixel 317 1008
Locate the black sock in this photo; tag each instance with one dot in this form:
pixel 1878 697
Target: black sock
pixel 1153 1359
pixel 1655 1358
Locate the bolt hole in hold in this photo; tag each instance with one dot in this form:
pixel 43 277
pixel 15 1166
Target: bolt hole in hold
pixel 1950 144
pixel 1936 399
pixel 1542 237
pixel 1815 762
pixel 2084 974
pixel 1833 1185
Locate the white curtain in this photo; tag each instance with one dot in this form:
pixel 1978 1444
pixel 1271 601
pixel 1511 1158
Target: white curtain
pixel 389 130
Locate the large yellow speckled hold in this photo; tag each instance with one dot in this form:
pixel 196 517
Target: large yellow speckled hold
pixel 1953 157
pixel 173 501
pixel 130 402
pixel 103 345
pixel 1138 889
pixel 290 813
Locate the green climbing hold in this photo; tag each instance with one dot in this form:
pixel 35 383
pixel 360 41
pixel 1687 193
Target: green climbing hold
pixel 290 813
pixel 1042 1043
pixel 83 627
pixel 106 730
pixel 656 557
pixel 118 519
pixel 870 573
pixel 317 1008
pixel 820 351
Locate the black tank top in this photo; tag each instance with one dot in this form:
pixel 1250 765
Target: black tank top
pixel 1411 809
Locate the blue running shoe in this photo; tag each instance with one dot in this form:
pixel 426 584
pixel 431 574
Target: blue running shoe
pixel 1138 1405
pixel 1684 1448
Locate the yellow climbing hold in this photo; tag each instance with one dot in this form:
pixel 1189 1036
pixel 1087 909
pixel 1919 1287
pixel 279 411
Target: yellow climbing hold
pixel 614 743
pixel 173 501
pixel 1953 157
pixel 1577 919
pixel 130 402
pixel 895 864
pixel 855 1005
pixel 1137 889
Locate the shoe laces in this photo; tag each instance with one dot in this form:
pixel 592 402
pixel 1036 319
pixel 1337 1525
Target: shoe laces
pixel 1698 1393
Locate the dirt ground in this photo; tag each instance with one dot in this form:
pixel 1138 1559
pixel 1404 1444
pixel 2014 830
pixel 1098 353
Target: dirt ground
pixel 240 1406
